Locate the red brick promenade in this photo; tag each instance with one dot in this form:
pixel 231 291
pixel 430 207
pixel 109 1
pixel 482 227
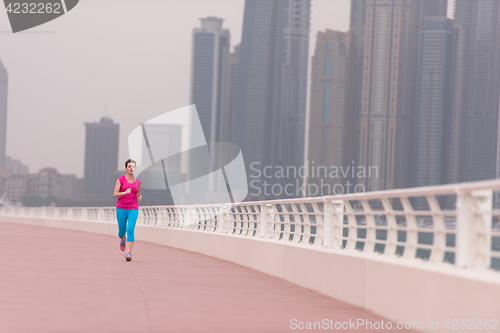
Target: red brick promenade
pixel 55 280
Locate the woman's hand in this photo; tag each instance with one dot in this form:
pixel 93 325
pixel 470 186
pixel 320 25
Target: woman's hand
pixel 117 193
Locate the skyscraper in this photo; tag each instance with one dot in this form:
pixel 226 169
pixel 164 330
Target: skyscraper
pixel 439 102
pixel 479 133
pixel 272 88
pixel 387 92
pixel 331 118
pixel 4 78
pixel 101 158
pixel 210 92
pixel 296 32
pixel 229 119
pixel 432 8
pixel 260 122
pixel 357 24
pixel 210 75
pixel 386 36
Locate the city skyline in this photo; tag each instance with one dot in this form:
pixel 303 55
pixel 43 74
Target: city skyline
pixel 62 74
pixel 51 134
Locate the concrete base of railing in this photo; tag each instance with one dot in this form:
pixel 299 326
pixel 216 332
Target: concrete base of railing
pixel 398 289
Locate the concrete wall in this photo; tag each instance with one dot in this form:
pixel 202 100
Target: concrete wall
pixel 396 288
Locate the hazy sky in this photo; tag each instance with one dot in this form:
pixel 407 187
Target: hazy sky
pixel 134 56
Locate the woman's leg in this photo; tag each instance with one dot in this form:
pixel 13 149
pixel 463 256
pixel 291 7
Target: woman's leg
pixel 132 220
pixel 121 217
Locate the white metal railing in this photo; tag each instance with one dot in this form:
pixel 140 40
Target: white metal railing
pixel 449 223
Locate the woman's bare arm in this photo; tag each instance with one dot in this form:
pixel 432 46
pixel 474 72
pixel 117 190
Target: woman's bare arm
pixel 139 195
pixel 117 193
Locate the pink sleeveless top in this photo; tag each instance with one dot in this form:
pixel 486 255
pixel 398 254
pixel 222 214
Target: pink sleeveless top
pixel 128 201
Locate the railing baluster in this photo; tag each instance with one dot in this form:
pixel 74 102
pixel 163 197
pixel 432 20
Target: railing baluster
pixel 265 211
pixel 473 240
pixel 473 221
pixel 353 227
pixel 411 229
pixel 370 227
pixel 439 242
pixel 333 220
pixel 392 231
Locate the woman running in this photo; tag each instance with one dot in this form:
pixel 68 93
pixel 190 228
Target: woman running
pixel 128 192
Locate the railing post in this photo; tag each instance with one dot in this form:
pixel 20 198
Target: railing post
pixel 159 216
pixel 392 228
pixel 333 220
pixel 411 244
pixel 439 242
pixel 188 218
pixel 371 232
pixel 473 235
pixel 353 228
pixel 222 220
pixel 264 220
pixel 171 216
pixel 141 216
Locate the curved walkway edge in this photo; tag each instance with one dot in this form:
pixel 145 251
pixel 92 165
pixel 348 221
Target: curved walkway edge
pixel 390 287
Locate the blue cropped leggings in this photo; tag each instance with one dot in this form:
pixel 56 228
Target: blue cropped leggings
pixel 124 215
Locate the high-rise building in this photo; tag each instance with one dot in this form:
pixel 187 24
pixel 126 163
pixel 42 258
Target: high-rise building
pixel 101 158
pixel 297 21
pixel 210 93
pixel 272 89
pixel 432 8
pixel 260 122
pixel 479 133
pixel 4 78
pixel 357 23
pixel 210 75
pixel 439 102
pixel 331 117
pixel 228 121
pixel 387 93
pixel 386 36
